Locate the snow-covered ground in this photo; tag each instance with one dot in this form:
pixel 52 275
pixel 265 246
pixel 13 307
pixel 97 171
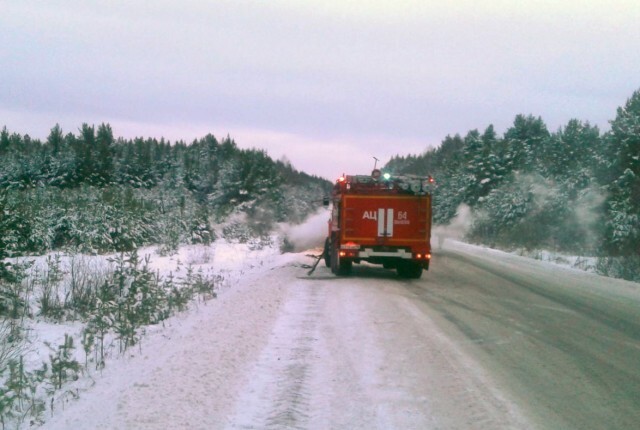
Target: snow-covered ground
pixel 278 349
pixel 588 264
pixel 177 378
pixel 224 261
pixel 225 264
pixel 281 350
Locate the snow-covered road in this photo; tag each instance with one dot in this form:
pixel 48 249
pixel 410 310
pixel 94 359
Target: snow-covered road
pixel 358 353
pixel 453 350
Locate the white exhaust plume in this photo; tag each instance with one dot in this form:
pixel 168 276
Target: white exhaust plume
pixel 310 234
pixel 456 229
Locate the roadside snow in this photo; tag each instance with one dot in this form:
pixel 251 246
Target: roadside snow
pixel 185 374
pixel 592 283
pixel 224 262
pixel 587 264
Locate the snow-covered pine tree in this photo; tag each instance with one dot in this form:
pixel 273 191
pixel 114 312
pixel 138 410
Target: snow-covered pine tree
pixel 623 220
pixel 525 140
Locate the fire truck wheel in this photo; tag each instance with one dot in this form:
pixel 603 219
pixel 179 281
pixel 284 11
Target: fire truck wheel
pixel 327 253
pixel 344 268
pixel 409 270
pixel 334 260
pixel 339 266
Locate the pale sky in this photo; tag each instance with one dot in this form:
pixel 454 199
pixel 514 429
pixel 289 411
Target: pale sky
pixel 330 84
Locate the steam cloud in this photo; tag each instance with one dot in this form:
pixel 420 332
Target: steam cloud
pixel 456 229
pixel 310 234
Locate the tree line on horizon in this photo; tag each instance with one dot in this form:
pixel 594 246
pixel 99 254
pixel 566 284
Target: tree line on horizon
pixel 575 190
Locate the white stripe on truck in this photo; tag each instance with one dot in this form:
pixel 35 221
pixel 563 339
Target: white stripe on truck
pixel 385 222
pixel 380 222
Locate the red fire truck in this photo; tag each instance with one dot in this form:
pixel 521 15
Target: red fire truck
pixel 380 219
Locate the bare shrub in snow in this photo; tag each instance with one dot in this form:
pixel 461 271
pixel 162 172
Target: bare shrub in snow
pixel 20 398
pixel 11 346
pixel 49 300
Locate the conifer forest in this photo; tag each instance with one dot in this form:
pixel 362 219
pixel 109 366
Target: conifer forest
pixel 92 193
pixel 574 190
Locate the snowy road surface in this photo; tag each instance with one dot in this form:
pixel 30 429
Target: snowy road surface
pixel 484 341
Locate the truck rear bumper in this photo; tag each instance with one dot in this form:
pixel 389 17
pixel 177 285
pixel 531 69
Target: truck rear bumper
pixel 370 253
pixel 389 257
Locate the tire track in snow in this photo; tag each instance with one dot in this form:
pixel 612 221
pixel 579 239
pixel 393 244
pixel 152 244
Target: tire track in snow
pixel 278 395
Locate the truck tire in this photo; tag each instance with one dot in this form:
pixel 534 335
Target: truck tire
pixel 409 270
pixel 339 266
pixel 326 254
pixel 333 260
pixel 344 268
